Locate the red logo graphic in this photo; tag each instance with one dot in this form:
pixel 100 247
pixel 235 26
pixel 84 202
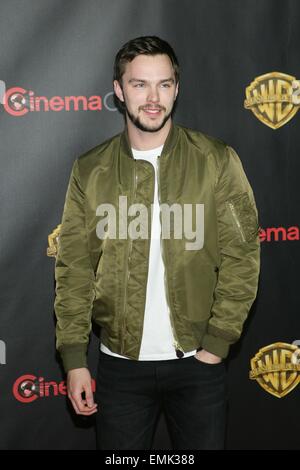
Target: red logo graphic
pixel 279 234
pixel 28 388
pixel 17 101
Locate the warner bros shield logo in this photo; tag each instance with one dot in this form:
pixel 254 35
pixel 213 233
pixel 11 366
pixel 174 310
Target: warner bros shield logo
pixel 277 368
pixel 273 98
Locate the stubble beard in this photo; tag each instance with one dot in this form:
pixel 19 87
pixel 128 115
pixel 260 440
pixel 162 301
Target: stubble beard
pixel 143 127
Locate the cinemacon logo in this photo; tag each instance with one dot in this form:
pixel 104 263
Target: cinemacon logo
pixel 18 101
pixel 29 388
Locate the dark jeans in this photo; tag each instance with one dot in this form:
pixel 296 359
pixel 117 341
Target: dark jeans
pixel 131 394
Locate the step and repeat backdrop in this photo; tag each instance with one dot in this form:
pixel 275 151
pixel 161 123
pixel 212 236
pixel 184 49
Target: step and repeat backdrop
pixel 240 81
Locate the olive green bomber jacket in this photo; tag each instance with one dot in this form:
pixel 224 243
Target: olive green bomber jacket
pixel 209 290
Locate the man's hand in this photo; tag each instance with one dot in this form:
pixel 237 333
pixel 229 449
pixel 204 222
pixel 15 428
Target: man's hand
pixel 207 357
pixel 78 381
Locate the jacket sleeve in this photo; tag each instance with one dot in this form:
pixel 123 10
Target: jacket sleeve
pixel 239 245
pixel 74 279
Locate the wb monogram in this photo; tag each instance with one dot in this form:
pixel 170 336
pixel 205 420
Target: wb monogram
pixel 276 368
pixel 273 98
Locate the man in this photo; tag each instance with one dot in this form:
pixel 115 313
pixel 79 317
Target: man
pixel 169 299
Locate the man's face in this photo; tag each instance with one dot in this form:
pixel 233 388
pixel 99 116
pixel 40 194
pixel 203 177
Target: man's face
pixel 148 91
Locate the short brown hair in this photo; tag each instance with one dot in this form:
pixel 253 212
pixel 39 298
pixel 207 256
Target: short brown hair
pixel 147 45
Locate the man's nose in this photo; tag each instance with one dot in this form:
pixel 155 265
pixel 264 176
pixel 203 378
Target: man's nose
pixel 153 95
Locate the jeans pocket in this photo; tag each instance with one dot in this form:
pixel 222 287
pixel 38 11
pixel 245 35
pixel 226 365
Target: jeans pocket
pixel 207 365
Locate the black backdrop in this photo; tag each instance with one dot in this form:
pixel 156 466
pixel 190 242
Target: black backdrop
pixel 66 48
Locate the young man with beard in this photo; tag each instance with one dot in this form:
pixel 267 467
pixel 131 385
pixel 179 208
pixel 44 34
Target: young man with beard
pixel 168 309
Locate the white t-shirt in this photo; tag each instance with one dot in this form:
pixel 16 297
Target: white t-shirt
pixel 158 340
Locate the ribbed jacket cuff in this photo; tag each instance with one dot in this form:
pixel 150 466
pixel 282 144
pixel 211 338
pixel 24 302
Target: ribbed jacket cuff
pixel 74 356
pixel 216 345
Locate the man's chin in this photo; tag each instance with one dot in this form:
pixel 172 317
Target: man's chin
pixel 150 127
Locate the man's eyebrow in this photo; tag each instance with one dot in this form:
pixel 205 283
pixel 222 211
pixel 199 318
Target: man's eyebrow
pixel 167 80
pixel 140 80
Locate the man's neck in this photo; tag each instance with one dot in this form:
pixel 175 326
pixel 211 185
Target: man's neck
pixel 141 140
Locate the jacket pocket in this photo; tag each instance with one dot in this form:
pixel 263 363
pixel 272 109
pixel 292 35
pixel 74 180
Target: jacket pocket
pixel 243 216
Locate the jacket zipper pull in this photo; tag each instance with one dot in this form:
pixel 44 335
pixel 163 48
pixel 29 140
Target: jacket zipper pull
pixel 178 350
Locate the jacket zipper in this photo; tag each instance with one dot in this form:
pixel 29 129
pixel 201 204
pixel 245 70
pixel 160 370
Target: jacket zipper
pixel 236 220
pixel 127 270
pixel 176 342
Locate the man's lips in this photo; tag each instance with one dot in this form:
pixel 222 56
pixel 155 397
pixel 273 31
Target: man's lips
pixel 152 111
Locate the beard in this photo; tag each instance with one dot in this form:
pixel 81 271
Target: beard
pixel 143 127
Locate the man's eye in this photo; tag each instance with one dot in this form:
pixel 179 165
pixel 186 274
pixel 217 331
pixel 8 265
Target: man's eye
pixel 139 85
pixel 165 85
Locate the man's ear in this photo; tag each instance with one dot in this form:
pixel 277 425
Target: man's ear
pixel 118 90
